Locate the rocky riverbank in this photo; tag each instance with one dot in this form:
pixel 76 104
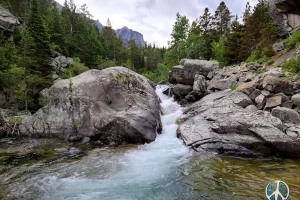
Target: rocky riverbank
pixel 247 110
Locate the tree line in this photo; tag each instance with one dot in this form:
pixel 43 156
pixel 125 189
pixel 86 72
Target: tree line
pixel 46 29
pixel 221 36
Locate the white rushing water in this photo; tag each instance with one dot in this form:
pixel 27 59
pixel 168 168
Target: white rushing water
pixel 151 171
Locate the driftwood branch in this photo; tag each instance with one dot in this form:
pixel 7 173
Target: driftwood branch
pixel 8 128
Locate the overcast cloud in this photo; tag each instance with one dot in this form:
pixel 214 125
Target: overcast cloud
pixel 154 18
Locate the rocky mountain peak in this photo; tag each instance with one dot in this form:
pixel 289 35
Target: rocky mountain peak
pixel 128 34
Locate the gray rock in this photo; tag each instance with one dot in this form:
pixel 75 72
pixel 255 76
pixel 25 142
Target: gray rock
pixel 274 72
pixel 292 134
pixel 60 63
pixel 210 75
pixel 278 85
pixel 278 47
pixel 252 108
pixel 287 104
pixel 266 93
pixel 74 151
pixel 249 77
pixel 199 83
pixel 255 94
pixel 75 139
pixel 248 87
pixel 223 84
pixel 260 101
pixel 62 150
pixel 285 13
pixel 194 96
pixel 293 131
pixel 8 22
pixel 44 93
pixel 296 100
pixel 179 91
pixel 216 123
pixel 114 104
pixel 251 66
pixel 185 74
pixel 284 97
pixel 85 140
pixel 273 102
pixel 286 115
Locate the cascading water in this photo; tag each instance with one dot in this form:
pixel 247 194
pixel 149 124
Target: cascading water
pixel 162 170
pixel 150 171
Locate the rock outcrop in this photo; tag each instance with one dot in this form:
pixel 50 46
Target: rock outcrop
pixel 187 70
pixel 241 110
pixel 60 63
pixel 220 123
pixel 286 14
pixel 8 22
pixel 114 106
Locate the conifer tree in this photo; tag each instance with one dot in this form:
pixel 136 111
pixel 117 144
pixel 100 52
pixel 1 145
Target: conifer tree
pixel 221 21
pixel 38 32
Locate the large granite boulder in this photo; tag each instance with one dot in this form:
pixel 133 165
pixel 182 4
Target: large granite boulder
pixel 185 73
pixel 8 22
pixel 221 122
pixel 114 105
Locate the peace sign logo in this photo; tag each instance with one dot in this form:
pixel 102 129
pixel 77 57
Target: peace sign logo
pixel 277 190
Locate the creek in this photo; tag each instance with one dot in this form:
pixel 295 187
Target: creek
pixel 163 170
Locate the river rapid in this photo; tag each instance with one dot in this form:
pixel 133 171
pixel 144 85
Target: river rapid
pixel 163 170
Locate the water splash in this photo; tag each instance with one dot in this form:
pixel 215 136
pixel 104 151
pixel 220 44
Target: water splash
pixel 149 172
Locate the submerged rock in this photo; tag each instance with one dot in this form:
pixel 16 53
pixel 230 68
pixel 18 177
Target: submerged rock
pixel 112 105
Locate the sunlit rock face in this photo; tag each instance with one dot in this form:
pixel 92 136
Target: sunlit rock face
pixel 114 106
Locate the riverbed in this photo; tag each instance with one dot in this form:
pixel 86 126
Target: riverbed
pixel 163 170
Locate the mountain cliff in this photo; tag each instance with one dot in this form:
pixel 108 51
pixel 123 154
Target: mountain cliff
pixel 128 34
pixel 99 25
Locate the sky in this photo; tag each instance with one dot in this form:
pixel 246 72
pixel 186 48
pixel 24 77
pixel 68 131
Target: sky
pixel 154 18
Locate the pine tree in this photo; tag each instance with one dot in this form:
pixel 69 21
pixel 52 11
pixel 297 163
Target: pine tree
pixel 233 43
pixel 221 21
pixel 38 32
pixel 205 22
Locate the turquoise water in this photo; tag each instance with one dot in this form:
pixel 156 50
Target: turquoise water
pixel 162 170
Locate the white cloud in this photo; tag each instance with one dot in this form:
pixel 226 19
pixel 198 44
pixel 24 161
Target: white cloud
pixel 154 18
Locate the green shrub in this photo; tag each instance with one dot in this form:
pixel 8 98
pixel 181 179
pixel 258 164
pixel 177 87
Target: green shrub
pixel 160 74
pixel 75 69
pixel 43 101
pixel 219 52
pixel 292 65
pixel 105 63
pixel 234 86
pixel 253 57
pixel 293 41
pixel 257 57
